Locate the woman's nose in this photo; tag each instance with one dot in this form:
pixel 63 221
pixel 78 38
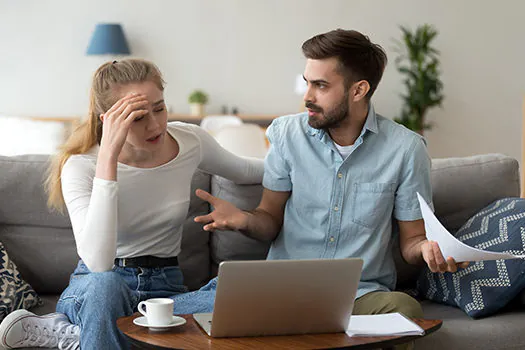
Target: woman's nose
pixel 152 122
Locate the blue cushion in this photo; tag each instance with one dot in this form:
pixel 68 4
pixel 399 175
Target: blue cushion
pixel 484 287
pixel 15 293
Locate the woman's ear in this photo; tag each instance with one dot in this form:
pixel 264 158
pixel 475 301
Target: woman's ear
pixel 101 117
pixel 361 89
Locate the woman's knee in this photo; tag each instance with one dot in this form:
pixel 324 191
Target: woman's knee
pixel 105 283
pixel 95 291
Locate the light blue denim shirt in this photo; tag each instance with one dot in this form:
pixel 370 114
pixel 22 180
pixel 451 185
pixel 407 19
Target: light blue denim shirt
pixel 341 208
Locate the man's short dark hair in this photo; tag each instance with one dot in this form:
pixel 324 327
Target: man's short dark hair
pixel 359 58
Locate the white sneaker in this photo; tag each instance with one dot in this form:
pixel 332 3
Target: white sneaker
pixel 22 328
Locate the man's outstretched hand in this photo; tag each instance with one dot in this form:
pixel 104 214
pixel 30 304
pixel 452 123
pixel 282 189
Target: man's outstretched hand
pixel 225 216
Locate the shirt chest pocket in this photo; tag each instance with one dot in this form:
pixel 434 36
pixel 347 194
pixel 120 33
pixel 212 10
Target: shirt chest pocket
pixel 371 203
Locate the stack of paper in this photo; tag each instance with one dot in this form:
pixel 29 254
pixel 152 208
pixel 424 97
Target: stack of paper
pixel 382 325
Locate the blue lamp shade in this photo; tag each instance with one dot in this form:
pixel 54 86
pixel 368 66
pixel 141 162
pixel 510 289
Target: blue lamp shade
pixel 108 39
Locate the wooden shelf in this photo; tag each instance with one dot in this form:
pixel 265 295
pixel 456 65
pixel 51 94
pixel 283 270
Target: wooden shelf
pixel 263 120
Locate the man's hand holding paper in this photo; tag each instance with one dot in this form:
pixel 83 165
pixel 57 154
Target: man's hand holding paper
pixel 435 258
pixel 449 246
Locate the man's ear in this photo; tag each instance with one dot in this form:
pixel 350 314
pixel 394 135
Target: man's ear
pixel 360 90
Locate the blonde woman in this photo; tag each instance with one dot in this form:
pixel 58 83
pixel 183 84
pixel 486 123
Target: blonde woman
pixel 124 177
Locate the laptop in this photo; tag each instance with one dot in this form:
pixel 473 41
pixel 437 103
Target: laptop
pixel 279 297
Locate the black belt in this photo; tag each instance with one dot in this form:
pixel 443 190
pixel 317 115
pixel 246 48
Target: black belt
pixel 146 261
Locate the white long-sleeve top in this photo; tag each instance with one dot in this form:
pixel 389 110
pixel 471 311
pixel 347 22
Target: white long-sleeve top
pixel 142 213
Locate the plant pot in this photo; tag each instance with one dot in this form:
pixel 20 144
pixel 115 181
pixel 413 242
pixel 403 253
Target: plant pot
pixel 197 109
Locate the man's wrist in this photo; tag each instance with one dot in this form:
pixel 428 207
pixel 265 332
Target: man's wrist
pixel 246 223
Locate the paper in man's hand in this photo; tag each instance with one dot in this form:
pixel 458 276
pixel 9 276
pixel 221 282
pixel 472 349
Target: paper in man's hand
pixel 450 245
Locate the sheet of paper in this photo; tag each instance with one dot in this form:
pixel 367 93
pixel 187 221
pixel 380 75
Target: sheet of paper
pixel 450 245
pixel 382 325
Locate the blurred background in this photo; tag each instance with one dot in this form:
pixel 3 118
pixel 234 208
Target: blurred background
pixel 245 54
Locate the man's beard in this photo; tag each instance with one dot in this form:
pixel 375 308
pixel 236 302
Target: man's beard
pixel 332 118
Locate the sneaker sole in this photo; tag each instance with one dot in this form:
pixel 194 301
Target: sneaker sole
pixel 11 319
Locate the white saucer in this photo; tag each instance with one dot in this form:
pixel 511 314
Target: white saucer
pixel 143 322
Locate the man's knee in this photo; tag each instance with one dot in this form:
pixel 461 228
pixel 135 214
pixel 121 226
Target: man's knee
pixel 388 302
pixel 405 304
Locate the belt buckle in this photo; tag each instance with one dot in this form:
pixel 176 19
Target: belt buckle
pixel 123 262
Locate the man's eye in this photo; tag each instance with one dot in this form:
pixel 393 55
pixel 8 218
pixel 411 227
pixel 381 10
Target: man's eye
pixel 159 110
pixel 138 119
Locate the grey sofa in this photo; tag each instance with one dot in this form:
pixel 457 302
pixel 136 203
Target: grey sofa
pixel 41 243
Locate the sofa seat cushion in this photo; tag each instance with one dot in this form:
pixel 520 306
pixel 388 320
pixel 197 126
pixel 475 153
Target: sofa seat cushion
pixel 501 331
pixel 48 304
pixel 15 293
pixel 484 287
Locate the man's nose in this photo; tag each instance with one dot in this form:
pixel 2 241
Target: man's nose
pixel 308 95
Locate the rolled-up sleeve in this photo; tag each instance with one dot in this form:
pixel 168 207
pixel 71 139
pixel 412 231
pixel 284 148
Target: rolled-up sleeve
pixel 276 168
pixel 415 177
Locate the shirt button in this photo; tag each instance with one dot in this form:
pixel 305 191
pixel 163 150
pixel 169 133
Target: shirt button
pixel 336 208
pixel 339 175
pixel 332 239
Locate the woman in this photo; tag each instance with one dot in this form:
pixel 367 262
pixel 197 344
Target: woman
pixel 124 177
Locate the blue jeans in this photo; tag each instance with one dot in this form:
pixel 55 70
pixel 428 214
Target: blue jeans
pixel 94 301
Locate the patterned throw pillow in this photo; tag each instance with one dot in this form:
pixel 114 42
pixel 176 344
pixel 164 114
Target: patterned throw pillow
pixel 484 287
pixel 15 293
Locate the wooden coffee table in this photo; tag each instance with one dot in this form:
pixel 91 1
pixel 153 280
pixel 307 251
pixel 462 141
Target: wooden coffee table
pixel 191 336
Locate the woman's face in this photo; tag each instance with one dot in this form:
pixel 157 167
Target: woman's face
pixel 148 132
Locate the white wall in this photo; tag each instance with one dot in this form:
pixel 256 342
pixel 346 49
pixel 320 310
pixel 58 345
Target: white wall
pixel 247 53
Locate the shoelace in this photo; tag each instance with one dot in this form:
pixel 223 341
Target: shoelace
pixel 65 336
pixel 37 336
pixel 69 335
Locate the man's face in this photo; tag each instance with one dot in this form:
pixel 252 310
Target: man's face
pixel 326 97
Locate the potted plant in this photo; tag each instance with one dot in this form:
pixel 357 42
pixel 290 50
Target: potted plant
pixel 197 100
pixel 419 64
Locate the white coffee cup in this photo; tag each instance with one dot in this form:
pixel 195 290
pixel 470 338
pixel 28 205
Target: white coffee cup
pixel 158 311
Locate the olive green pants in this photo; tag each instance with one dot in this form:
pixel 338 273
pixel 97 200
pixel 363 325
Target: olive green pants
pixel 387 302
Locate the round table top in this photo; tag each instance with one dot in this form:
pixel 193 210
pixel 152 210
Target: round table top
pixel 191 336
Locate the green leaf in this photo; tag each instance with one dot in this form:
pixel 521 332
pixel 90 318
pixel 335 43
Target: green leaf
pixel 418 62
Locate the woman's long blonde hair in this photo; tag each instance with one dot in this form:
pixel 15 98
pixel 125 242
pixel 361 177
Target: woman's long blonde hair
pixel 89 133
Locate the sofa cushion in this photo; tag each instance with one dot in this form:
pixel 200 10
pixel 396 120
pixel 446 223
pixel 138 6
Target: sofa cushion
pixel 231 245
pixel 23 195
pixel 194 258
pixel 485 286
pixel 15 293
pixel 463 186
pixel 503 331
pixel 45 256
pixel 38 240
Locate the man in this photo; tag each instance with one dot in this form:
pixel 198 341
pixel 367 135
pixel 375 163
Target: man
pixel 336 177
